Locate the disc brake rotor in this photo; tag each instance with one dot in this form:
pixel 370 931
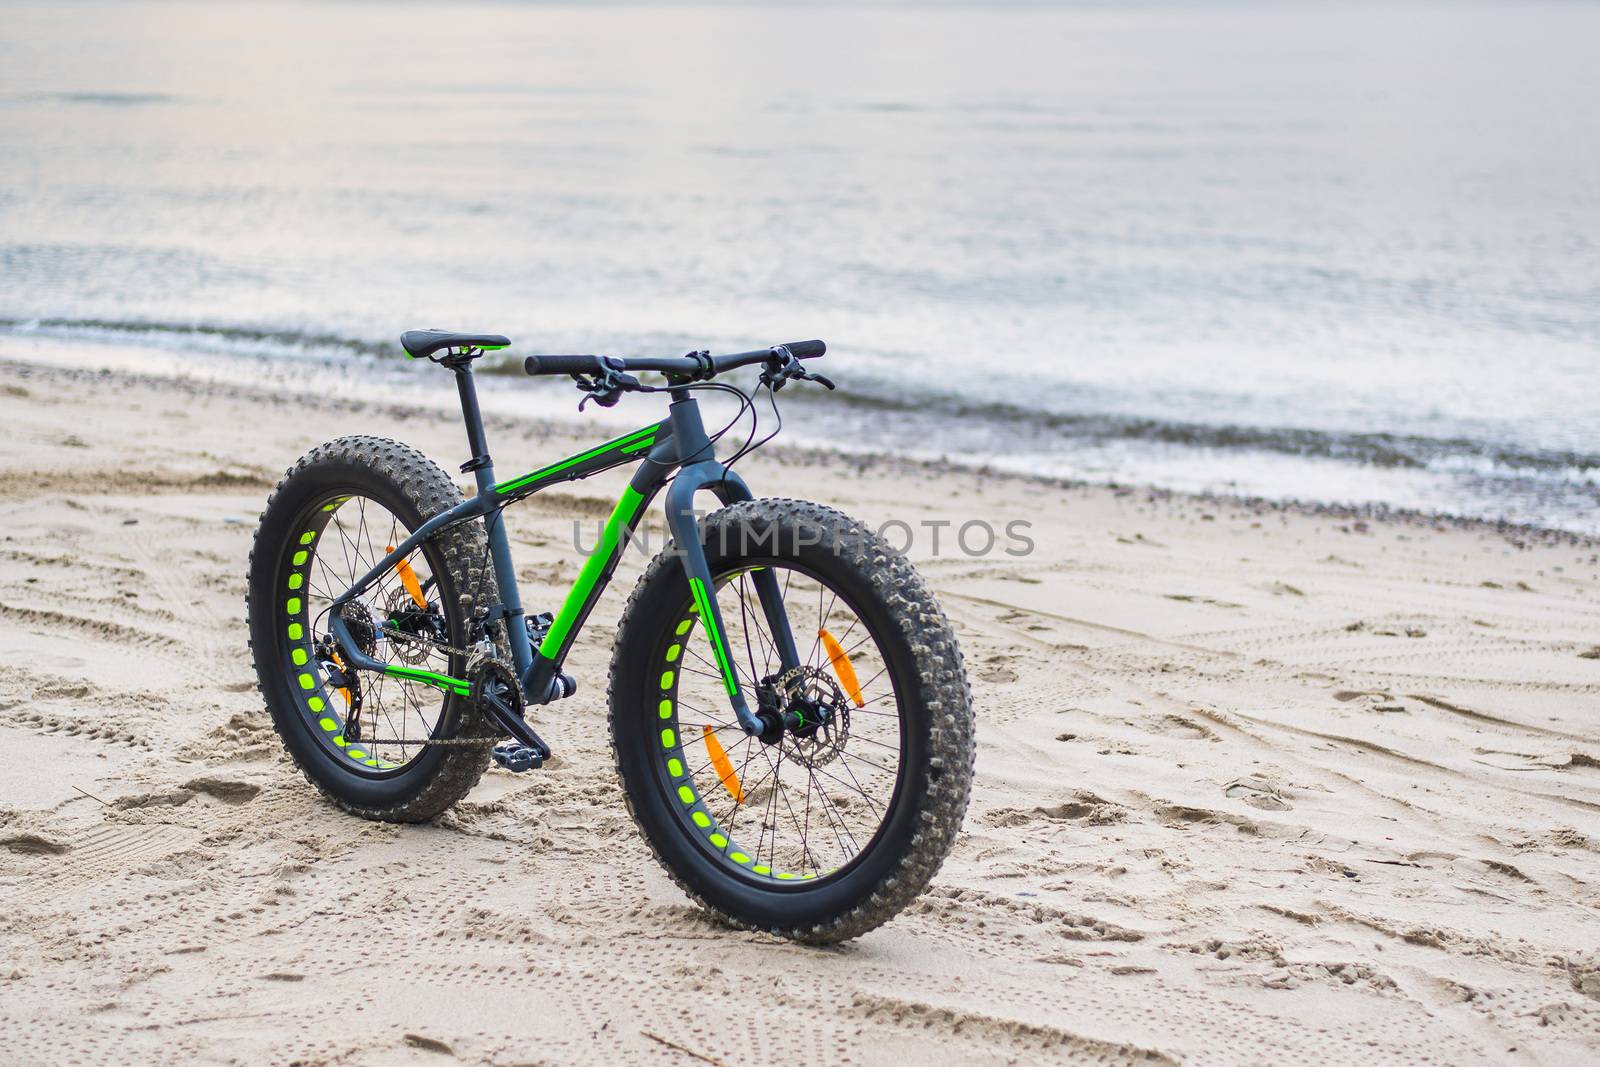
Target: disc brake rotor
pixel 812 690
pixel 411 649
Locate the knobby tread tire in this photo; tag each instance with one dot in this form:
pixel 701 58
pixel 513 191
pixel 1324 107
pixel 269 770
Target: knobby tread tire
pixel 396 470
pixel 943 694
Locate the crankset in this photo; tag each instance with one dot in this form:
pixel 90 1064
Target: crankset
pixel 498 695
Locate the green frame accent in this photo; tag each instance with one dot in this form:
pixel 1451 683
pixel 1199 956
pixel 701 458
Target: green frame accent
pixel 611 454
pixel 442 682
pixel 480 348
pixel 596 566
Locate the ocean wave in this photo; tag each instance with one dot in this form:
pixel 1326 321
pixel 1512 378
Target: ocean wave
pixel 228 338
pixel 916 417
pixel 1367 448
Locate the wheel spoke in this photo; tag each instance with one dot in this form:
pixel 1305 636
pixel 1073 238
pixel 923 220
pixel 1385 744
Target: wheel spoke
pixel 818 780
pixel 393 709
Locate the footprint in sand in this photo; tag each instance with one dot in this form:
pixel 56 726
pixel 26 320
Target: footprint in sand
pixel 996 669
pixel 228 790
pixel 1258 793
pixel 1083 806
pixel 1377 699
pixel 28 843
pixel 1194 598
pixel 1178 726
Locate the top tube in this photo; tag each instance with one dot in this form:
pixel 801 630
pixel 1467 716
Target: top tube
pixel 613 453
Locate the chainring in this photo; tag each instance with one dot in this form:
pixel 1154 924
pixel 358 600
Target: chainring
pixel 493 680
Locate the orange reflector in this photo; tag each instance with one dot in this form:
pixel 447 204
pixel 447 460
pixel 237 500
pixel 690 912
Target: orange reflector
pixel 841 667
pixel 408 578
pixel 719 760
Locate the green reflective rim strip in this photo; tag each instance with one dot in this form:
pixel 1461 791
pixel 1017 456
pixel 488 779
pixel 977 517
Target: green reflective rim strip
pixel 683 785
pixel 636 441
pixel 312 690
pixel 622 515
pixel 702 604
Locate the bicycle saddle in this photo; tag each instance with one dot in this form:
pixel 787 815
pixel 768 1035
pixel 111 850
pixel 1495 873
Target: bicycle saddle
pixel 422 344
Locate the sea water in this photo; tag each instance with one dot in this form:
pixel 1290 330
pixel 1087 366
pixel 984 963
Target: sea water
pixel 1334 252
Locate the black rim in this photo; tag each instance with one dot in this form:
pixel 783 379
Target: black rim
pixel 374 725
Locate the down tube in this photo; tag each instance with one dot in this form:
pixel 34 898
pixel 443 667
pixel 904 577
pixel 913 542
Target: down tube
pixel 591 582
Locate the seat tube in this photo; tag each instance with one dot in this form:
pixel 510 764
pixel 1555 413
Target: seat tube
pixel 505 572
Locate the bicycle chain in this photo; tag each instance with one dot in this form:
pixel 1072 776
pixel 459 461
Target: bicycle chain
pixel 437 646
pixel 447 742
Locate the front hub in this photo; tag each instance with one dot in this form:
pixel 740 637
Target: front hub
pixel 769 711
pixel 806 705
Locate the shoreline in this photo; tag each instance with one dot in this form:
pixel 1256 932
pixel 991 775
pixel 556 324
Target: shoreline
pixel 1518 533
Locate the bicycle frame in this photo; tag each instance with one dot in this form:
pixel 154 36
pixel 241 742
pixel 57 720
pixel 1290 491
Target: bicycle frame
pixel 675 449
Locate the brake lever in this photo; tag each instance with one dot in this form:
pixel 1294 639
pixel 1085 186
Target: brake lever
pixel 777 382
pixel 604 389
pixel 776 374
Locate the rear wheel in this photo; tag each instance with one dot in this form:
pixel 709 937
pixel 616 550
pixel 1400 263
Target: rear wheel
pixel 830 829
pixel 359 735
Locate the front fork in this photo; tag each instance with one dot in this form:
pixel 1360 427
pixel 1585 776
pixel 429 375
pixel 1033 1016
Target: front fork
pixel 729 488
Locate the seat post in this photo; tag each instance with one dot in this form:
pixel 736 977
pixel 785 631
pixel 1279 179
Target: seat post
pixel 480 464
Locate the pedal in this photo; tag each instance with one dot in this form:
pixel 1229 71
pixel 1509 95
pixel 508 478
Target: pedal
pixel 539 625
pixel 516 757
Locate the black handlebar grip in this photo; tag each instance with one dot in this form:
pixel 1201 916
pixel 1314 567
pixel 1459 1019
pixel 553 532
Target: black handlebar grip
pixel 562 365
pixel 806 349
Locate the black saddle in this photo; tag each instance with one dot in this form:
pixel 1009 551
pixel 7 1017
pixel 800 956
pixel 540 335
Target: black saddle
pixel 422 344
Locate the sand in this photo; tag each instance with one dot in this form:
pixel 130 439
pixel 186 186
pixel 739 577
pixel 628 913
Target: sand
pixel 1254 784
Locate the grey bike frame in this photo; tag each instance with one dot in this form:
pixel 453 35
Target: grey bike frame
pixel 678 445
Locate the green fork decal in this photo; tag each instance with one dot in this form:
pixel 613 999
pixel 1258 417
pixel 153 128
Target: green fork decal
pixel 702 604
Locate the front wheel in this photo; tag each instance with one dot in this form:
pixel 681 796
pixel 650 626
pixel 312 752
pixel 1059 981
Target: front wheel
pixel 830 829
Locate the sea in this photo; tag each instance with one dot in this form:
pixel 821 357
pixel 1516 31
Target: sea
pixel 1343 253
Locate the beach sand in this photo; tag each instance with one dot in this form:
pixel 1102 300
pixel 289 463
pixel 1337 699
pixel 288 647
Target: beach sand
pixel 1254 784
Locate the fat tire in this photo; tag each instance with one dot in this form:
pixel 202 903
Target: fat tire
pixel 414 488
pixel 939 708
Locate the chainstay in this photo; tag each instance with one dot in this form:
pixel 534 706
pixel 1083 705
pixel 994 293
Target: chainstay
pixel 444 742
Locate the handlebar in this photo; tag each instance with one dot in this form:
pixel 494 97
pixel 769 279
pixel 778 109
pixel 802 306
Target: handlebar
pixel 562 364
pixel 691 367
